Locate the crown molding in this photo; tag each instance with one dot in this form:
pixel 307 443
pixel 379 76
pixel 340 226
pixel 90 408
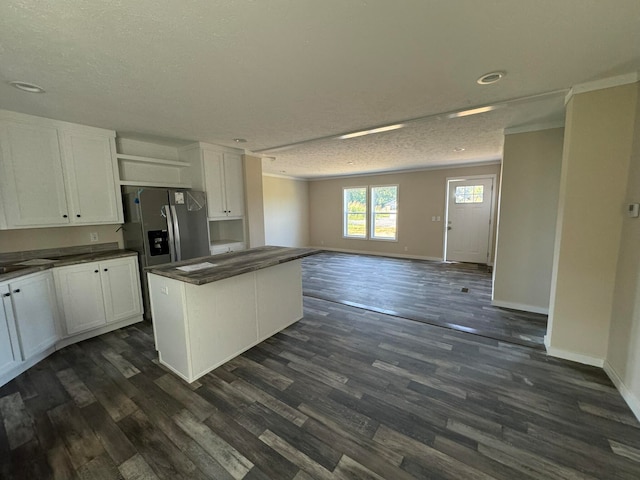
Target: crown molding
pixel 609 82
pixel 534 127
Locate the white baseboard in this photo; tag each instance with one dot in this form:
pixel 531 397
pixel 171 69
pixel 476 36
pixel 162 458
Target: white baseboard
pixel 63 342
pixel 574 357
pixel 628 395
pixel 380 254
pixel 520 306
pixel 26 365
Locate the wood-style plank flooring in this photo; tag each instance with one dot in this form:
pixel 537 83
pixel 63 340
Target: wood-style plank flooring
pixel 345 393
pixel 452 295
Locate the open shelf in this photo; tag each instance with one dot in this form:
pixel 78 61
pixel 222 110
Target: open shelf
pixel 138 183
pixel 142 171
pixel 156 161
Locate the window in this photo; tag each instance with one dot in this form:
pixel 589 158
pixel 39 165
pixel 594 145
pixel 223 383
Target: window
pixel 371 212
pixel 355 212
pixel 470 194
pixel 384 214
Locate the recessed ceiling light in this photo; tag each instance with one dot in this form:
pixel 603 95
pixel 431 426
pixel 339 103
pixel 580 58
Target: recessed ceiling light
pixel 373 130
pixel 349 163
pixel 489 78
pixel 240 140
pixel 27 87
pixel 458 149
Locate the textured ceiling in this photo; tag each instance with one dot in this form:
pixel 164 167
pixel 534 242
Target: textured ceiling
pixel 278 72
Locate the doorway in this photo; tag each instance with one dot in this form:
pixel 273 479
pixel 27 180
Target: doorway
pixel 469 219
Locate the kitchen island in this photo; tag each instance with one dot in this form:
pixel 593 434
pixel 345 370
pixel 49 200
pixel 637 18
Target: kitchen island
pixel 208 310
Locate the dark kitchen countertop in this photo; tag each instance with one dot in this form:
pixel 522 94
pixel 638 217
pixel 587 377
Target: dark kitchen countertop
pixel 66 261
pixel 231 264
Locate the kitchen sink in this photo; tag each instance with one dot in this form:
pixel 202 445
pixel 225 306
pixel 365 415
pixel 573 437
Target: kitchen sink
pixel 12 268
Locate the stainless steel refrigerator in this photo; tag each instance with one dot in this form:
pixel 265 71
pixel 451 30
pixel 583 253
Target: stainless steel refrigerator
pixel 164 225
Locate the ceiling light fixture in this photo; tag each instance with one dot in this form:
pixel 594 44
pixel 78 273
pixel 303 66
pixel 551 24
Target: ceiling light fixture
pixel 349 163
pixel 458 149
pixel 240 140
pixel 373 130
pixel 473 111
pixel 27 87
pixel 489 78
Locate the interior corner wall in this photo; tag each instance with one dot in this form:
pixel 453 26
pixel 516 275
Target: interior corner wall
pixel 595 165
pixel 421 195
pixel 623 355
pixel 254 200
pixel 529 191
pixel 286 211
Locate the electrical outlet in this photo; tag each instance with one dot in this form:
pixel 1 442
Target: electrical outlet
pixel 164 290
pixel 406 249
pixel 93 236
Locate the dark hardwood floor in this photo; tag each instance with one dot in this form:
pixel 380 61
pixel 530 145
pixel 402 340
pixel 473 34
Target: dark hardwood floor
pixel 345 393
pixel 452 295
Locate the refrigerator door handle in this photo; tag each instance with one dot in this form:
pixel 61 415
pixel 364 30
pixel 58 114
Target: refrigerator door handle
pixel 172 247
pixel 176 233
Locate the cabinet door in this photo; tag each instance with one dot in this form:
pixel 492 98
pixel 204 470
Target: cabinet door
pixel 234 184
pixel 121 289
pixel 214 183
pixel 79 289
pixel 9 350
pixel 31 176
pixel 35 313
pixel 91 185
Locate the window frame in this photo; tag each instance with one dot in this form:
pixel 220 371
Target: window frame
pixel 345 213
pixel 369 213
pixel 372 212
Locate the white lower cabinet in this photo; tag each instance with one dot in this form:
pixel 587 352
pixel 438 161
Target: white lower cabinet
pixel 35 313
pixel 28 319
pixel 10 355
pixel 93 295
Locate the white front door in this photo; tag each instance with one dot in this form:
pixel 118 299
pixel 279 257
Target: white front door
pixel 469 220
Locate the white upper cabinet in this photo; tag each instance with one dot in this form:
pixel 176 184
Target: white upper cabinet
pixel 31 177
pixel 91 186
pixel 219 172
pixel 56 173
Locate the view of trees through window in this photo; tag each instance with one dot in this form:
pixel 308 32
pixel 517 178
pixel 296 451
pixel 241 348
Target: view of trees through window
pixel 383 205
pixel 355 212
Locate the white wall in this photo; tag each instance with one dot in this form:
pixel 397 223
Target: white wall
pixel 623 355
pixel 421 195
pixel 529 190
pixel 286 211
pixel 597 150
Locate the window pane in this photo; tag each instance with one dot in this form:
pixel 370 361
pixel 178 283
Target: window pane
pixel 356 225
pixel 384 225
pixel 355 212
pixel 384 220
pixel 469 194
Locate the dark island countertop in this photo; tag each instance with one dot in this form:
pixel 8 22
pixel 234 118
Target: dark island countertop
pixel 231 264
pixel 61 261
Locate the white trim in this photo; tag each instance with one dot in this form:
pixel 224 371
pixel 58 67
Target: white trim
pixel 481 163
pixel 627 395
pixel 379 254
pixel 536 127
pixel 574 357
pixel 26 365
pixel 64 342
pixel 520 306
pixel 8 115
pixel 610 82
pixel 492 213
pixel 288 177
